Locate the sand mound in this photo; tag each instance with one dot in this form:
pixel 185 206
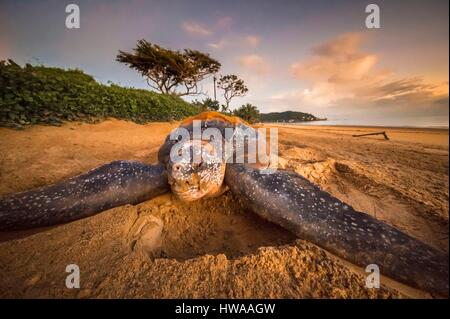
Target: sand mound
pixel 214 248
pixel 165 249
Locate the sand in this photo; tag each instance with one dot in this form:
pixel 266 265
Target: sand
pixel 214 248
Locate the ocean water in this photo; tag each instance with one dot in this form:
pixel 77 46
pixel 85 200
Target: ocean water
pixel 425 122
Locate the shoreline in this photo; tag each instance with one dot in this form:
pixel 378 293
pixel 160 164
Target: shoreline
pixel 305 124
pixel 302 124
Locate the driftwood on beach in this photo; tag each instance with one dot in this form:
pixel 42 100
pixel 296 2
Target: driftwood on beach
pixel 376 133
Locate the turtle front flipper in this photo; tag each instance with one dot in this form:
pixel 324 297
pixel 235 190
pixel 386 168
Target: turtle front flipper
pixel 114 184
pixel 291 201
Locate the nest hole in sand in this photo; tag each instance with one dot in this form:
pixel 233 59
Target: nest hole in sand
pixel 169 228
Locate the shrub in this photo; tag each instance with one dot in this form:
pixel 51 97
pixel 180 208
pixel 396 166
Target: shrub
pixel 44 95
pixel 207 104
pixel 248 112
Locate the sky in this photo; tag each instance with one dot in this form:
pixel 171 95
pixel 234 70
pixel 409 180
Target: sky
pixel 311 56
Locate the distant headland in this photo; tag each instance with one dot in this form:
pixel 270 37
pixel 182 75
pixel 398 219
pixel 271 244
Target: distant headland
pixel 289 117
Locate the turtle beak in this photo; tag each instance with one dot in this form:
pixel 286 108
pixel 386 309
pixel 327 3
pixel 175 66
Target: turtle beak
pixel 183 180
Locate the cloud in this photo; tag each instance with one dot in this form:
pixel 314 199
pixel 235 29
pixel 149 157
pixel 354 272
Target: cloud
pixel 395 89
pixel 195 29
pixel 252 40
pixel 340 75
pixel 236 41
pixel 218 45
pixel 338 61
pixel 344 45
pixel 225 22
pixel 254 63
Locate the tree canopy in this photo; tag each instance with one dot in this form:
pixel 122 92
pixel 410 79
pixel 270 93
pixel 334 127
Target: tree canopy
pixel 232 86
pixel 170 71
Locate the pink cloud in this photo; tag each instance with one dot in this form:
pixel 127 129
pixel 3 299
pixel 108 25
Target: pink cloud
pixel 252 40
pixel 218 45
pixel 339 60
pixel 237 41
pixel 340 74
pixel 255 63
pixel 196 29
pixel 225 22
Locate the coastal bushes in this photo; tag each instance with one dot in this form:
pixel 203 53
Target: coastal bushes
pixel 248 113
pixel 45 95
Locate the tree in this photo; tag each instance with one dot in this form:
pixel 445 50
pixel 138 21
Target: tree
pixel 232 86
pixel 169 71
pixel 248 112
pixel 206 105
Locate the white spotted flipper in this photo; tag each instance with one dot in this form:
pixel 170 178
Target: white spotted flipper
pixel 291 201
pixel 114 184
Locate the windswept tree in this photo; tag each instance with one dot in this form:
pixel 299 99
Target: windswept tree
pixel 169 71
pixel 248 112
pixel 232 86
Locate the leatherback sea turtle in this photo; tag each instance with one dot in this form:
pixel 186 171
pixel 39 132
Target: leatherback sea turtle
pixel 279 196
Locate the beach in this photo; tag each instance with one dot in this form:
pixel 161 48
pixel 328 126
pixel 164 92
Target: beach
pixel 215 248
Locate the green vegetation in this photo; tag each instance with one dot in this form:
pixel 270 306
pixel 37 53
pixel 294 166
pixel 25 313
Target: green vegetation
pixel 248 112
pixel 288 117
pixel 232 86
pixel 38 94
pixel 207 104
pixel 169 71
pixel 46 95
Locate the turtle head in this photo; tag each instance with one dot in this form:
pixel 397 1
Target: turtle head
pixel 198 171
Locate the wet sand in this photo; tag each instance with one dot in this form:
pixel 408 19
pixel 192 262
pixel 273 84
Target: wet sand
pixel 215 248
